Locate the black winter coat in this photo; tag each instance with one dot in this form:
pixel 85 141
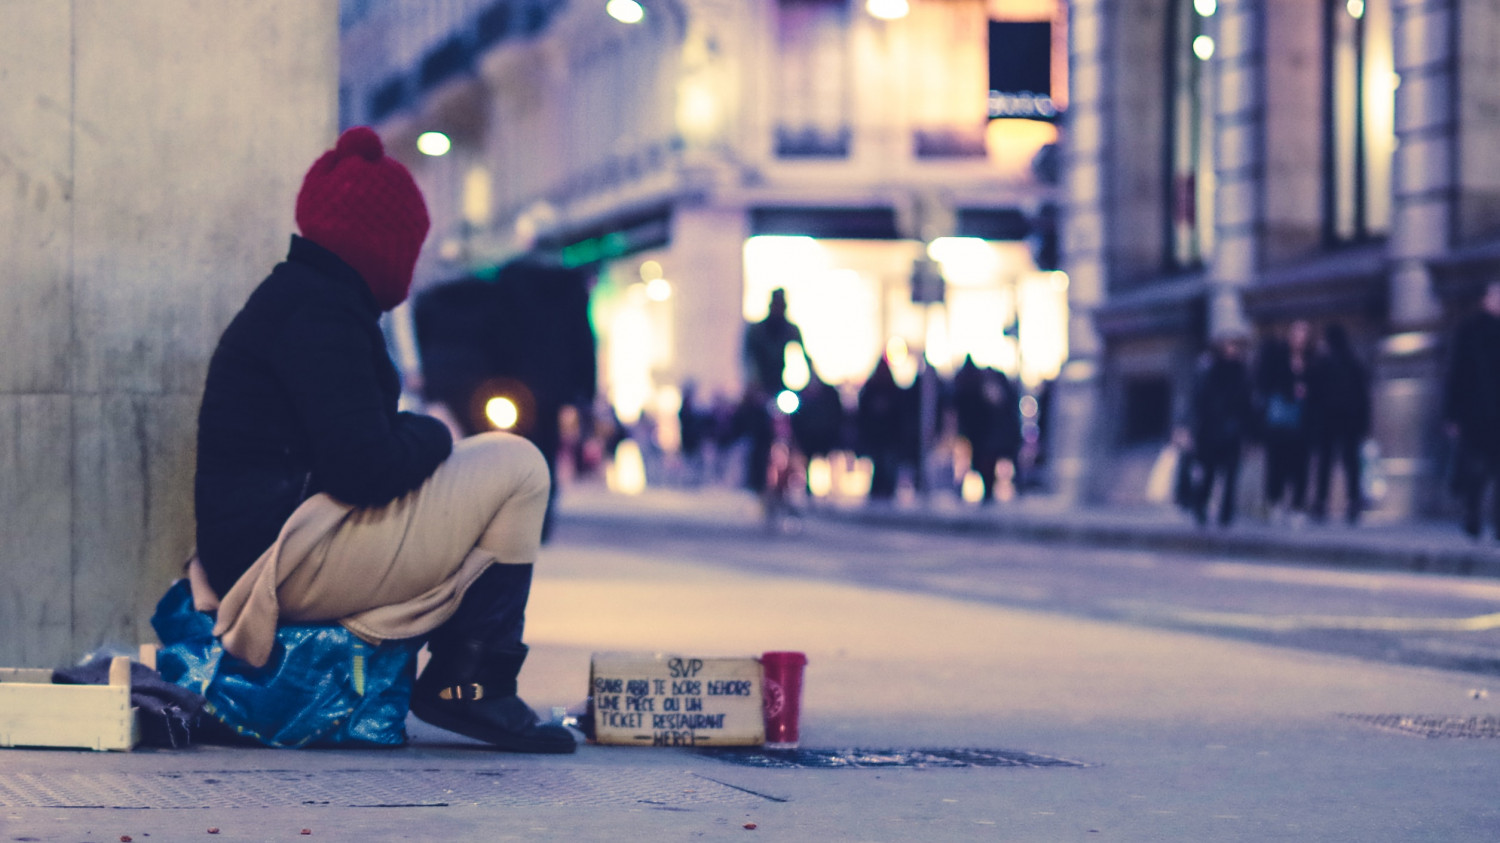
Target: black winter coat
pixel 301 398
pixel 1221 408
pixel 1338 395
pixel 1472 392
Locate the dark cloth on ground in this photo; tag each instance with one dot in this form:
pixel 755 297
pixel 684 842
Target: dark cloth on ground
pixel 168 712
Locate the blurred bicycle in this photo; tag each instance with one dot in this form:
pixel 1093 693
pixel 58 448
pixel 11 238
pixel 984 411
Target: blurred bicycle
pixel 786 469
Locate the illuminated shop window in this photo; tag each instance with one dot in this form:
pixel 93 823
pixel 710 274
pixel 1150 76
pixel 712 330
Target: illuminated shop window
pixel 853 302
pixel 1190 132
pixel 1359 120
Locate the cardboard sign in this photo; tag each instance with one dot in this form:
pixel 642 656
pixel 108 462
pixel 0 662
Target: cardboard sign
pixel 671 700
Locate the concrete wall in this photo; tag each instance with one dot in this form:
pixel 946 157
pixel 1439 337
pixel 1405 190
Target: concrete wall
pixel 149 159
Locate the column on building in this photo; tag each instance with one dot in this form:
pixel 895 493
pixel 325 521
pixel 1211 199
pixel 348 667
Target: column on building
pixel 1077 443
pixel 1407 384
pixel 1238 170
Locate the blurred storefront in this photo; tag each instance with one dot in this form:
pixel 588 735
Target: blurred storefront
pixel 889 164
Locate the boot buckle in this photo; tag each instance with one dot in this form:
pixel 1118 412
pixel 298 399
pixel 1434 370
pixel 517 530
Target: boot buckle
pixel 472 691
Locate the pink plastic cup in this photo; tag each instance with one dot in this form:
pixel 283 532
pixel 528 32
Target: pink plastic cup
pixel 781 689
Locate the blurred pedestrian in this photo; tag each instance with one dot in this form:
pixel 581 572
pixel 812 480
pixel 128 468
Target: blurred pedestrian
pixel 317 500
pixel 880 428
pixel 1281 379
pixel 1221 410
pixel 1339 420
pixel 988 413
pixel 1471 408
pixel 818 424
pixel 764 354
pixel 694 426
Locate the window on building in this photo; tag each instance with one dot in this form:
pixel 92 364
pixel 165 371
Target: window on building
pixel 1359 120
pixel 813 84
pixel 1190 132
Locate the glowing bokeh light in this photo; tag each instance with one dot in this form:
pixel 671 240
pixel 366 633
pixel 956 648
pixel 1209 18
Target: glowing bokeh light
pixel 888 9
pixel 625 11
pixel 819 477
pixel 795 372
pixel 972 489
pixel 435 144
pixel 626 473
pixel 502 412
pixel 787 402
pixel 658 289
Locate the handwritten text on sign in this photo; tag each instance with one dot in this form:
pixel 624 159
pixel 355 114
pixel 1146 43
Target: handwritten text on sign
pixel 668 700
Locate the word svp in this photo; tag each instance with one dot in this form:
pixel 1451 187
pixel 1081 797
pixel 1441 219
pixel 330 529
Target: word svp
pixel 676 701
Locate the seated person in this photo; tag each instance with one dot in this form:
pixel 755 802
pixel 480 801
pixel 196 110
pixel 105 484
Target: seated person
pixel 317 501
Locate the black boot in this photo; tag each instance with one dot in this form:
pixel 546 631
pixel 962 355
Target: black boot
pixel 471 689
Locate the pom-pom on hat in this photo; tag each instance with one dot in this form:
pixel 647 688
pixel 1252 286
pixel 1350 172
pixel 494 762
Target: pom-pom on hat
pixel 364 206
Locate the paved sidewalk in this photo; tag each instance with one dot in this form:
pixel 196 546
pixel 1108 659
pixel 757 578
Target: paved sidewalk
pixel 1410 546
pixel 1171 736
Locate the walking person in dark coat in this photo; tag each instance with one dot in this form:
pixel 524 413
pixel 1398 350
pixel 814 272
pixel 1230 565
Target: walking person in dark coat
pixel 694 425
pixel 1221 409
pixel 1339 417
pixel 880 424
pixel 317 500
pixel 818 424
pixel 764 352
pixel 988 412
pixel 1282 373
pixel 1471 408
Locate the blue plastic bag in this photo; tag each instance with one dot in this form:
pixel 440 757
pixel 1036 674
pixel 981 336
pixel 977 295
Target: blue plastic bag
pixel 322 686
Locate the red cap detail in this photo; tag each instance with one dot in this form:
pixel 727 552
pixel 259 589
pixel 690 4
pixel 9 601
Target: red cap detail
pixel 364 206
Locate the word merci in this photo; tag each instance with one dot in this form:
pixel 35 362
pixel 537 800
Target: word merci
pixel 677 701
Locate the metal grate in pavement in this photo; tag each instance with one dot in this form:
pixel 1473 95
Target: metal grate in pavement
pixel 371 788
pixel 863 758
pixel 1432 726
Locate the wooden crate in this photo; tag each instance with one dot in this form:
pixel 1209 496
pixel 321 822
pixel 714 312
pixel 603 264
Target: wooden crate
pixel 34 712
pixel 674 700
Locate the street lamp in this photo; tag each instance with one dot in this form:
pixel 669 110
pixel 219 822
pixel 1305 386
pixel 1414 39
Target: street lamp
pixel 888 9
pixel 435 144
pixel 625 11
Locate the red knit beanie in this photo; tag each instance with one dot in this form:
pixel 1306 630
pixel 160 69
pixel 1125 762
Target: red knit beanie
pixel 365 207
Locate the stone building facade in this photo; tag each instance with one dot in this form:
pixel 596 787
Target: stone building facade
pixel 1234 165
pixel 720 148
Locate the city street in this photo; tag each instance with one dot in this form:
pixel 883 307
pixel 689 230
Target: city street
pixel 1108 705
pixel 1450 622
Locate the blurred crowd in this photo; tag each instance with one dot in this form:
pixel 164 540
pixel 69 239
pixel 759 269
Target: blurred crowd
pixel 1297 399
pixel 1303 396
